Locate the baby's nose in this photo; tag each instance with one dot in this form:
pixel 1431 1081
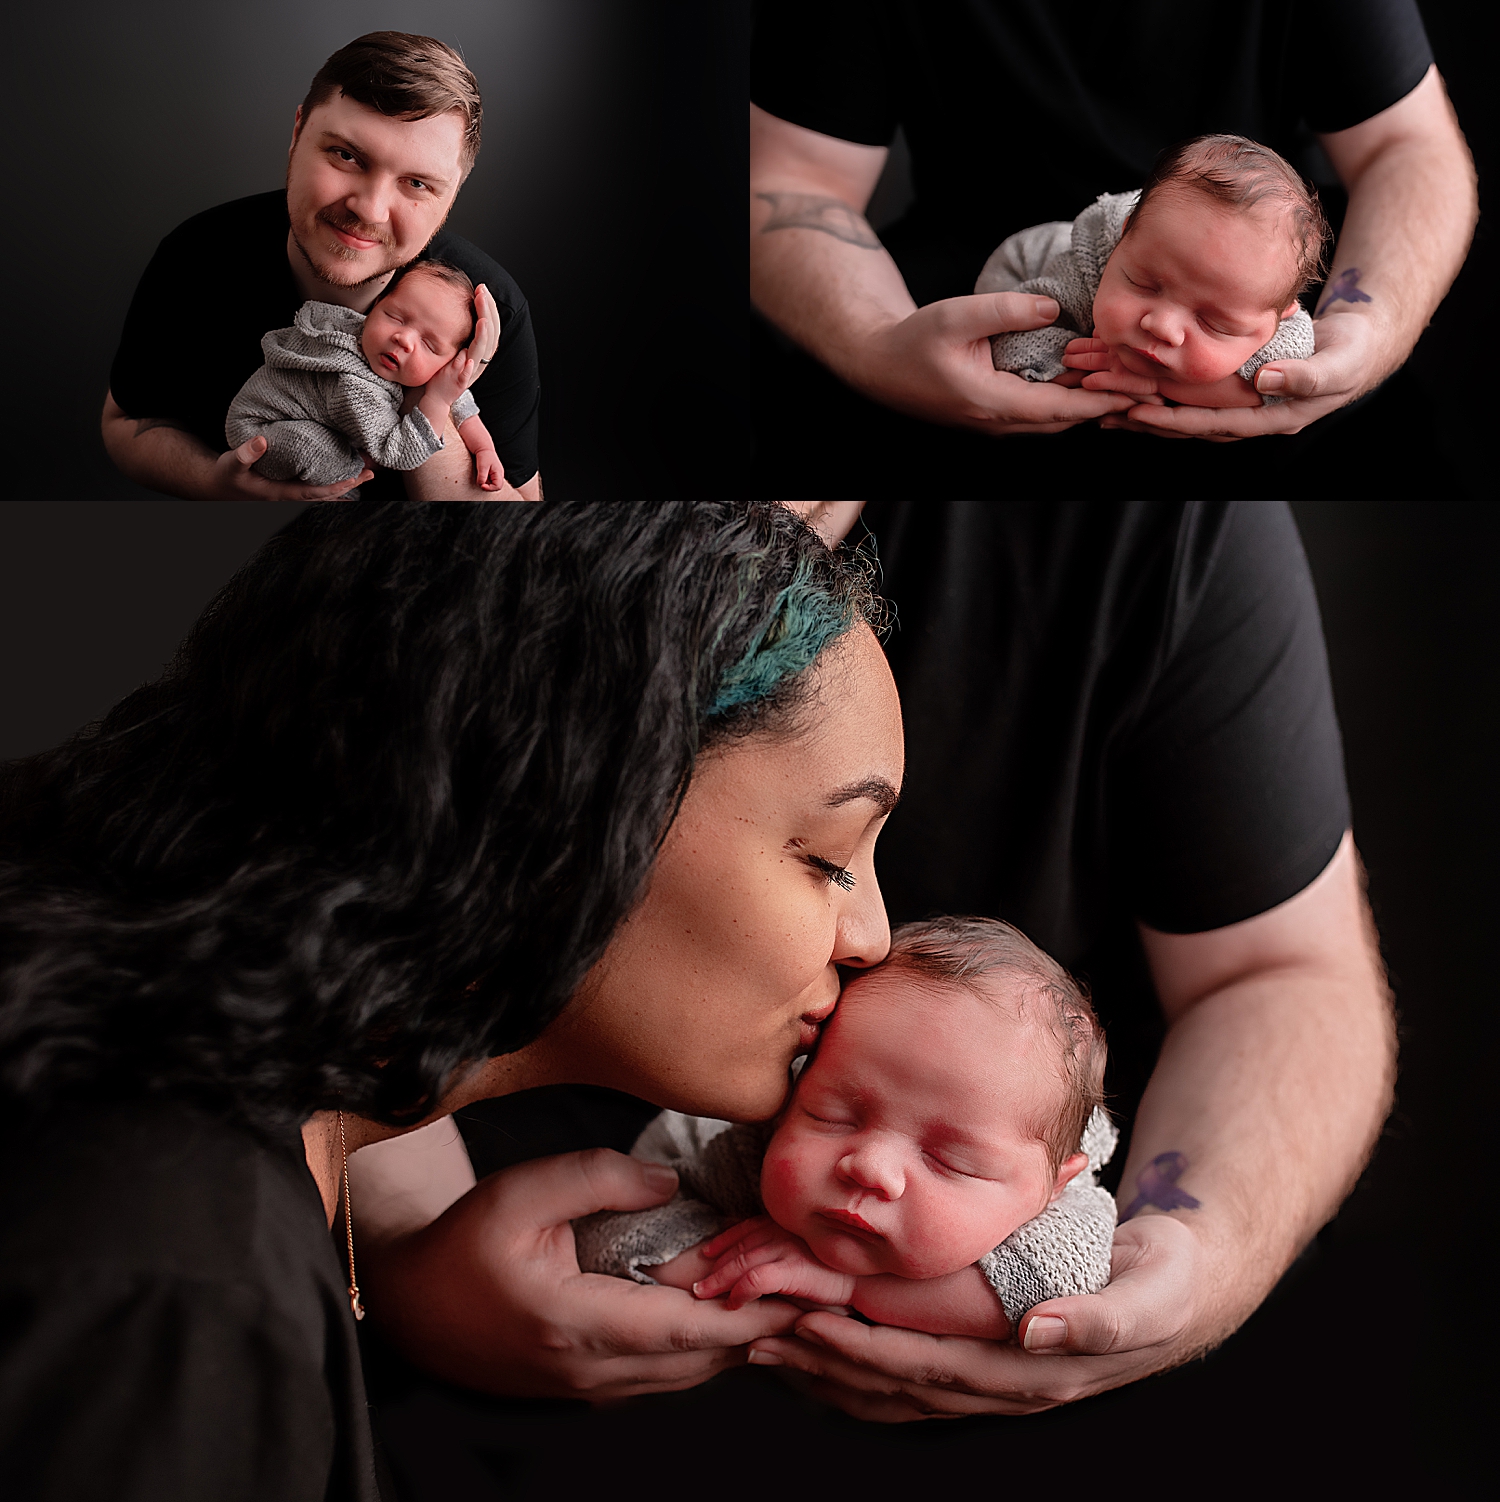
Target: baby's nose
pixel 872 1168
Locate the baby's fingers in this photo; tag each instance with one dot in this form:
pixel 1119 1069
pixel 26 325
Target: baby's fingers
pixel 719 1244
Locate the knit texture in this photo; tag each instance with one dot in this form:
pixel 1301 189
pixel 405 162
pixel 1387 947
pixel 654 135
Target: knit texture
pixel 321 408
pixel 1065 262
pixel 1064 1250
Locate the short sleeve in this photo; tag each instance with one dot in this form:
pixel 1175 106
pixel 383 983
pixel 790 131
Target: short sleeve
pixel 146 379
pixel 1360 57
pixel 822 64
pixel 1227 794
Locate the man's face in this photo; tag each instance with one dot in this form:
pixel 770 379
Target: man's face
pixel 365 192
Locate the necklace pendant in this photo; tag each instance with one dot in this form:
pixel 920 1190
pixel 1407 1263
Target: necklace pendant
pixel 356 1308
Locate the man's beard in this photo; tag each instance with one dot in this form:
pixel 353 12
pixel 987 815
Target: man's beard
pixel 342 219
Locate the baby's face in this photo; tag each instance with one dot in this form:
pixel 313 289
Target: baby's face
pixel 907 1147
pixel 1193 290
pixel 410 335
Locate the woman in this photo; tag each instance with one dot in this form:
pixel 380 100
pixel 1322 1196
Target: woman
pixel 433 804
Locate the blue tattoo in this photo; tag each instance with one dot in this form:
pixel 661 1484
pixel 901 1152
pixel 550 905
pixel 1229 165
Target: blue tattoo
pixel 1156 1184
pixel 1345 289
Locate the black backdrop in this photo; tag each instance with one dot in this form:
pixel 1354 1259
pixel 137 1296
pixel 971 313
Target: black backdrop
pixel 1362 1369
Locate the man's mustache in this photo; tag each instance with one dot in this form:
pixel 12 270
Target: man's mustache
pixel 341 218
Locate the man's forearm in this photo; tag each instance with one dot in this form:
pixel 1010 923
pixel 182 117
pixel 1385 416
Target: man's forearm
pixel 1412 209
pixel 158 454
pixel 1264 1105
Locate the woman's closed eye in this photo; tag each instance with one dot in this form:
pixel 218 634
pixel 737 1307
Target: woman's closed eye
pixel 840 876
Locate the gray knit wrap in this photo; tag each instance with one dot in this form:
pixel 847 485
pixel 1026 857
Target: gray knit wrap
pixel 1065 262
pixel 1064 1250
pixel 321 408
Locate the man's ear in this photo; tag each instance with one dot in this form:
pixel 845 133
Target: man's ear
pixel 296 131
pixel 1069 1171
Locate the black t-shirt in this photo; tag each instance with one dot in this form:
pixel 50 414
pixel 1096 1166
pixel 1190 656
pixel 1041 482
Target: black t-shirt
pixel 173 1317
pixel 1114 712
pixel 221 279
pixel 1020 111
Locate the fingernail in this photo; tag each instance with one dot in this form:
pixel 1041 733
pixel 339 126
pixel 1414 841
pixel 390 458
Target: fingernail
pixel 1046 307
pixel 764 1358
pixel 1045 1332
pixel 811 1337
pixel 1270 380
pixel 659 1178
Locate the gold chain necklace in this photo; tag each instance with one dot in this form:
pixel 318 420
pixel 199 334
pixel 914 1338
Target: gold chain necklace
pixel 354 1303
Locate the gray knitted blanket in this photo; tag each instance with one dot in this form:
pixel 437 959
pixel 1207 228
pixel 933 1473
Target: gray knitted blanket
pixel 1065 1250
pixel 321 408
pixel 1065 262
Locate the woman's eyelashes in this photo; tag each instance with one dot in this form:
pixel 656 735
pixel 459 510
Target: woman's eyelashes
pixel 841 876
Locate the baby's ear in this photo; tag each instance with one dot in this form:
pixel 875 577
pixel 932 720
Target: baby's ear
pixel 1069 1171
pixel 1289 309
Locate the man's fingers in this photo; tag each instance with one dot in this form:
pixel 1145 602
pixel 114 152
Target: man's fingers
pixel 626 1317
pixel 551 1191
pixel 1105 379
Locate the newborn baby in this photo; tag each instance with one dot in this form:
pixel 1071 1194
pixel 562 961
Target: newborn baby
pixel 330 392
pixel 1189 285
pixel 934 1167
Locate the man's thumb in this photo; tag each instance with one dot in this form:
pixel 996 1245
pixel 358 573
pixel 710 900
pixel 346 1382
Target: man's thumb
pixel 1094 1325
pixel 575 1184
pixel 251 450
pixel 1294 378
pixel 987 313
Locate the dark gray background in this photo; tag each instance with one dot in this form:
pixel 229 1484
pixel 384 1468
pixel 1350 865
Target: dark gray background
pixel 610 185
pixel 1364 1367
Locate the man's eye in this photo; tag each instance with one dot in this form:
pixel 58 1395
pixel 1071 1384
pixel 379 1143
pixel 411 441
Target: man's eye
pixel 841 876
pixel 343 155
pixel 416 182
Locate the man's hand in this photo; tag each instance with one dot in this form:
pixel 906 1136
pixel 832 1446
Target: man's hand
pixel 1346 364
pixel 162 455
pixel 757 1258
pixel 235 480
pixel 936 363
pixel 486 338
pixel 490 1295
pixel 1157 1312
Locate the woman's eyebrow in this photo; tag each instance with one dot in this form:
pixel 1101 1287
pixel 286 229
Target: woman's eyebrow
pixel 876 789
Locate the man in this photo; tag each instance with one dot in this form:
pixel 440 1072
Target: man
pixel 1017 112
pixel 380 146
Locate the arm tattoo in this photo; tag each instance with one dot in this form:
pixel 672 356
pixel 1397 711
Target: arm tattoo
pixel 145 424
pixel 1345 289
pixel 1156 1184
pixel 815 211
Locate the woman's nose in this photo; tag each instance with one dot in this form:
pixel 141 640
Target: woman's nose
pixel 863 935
pixel 871 1167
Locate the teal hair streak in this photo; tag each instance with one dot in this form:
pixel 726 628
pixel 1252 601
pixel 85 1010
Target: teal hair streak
pixel 803 620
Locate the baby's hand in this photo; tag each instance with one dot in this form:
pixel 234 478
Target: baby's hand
pixel 489 472
pixel 1105 372
pixel 757 1258
pixel 453 379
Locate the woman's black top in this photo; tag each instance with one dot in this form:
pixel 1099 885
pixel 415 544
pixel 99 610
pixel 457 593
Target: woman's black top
pixel 173 1319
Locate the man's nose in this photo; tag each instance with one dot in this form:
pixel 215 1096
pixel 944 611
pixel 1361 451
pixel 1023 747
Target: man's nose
pixel 370 202
pixel 874 1167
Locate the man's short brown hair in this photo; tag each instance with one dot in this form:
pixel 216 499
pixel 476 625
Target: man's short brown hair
pixel 405 76
pixel 963 951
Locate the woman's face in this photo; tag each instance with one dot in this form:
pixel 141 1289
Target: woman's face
pixel 723 973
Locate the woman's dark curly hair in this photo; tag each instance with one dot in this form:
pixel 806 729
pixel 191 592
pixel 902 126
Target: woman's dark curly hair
pixel 391 798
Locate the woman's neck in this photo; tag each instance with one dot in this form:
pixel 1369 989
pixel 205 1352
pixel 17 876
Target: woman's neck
pixel 325 1151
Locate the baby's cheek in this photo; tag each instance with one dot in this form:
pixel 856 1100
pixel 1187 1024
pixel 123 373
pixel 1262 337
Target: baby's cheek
pixel 784 1185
